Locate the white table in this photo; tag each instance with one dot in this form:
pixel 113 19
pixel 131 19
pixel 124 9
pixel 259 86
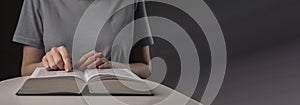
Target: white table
pixel 162 96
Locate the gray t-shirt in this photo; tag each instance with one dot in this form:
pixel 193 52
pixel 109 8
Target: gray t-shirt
pixel 51 23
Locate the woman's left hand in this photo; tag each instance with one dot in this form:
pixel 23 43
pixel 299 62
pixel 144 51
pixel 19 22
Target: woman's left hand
pixel 93 60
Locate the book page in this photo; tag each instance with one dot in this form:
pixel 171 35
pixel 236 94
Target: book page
pixel 110 73
pixel 43 73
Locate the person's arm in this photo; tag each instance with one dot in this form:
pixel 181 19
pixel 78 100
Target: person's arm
pixel 32 58
pixel 140 62
pixel 56 58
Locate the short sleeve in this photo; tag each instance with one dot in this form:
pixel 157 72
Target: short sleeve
pixel 29 30
pixel 142 31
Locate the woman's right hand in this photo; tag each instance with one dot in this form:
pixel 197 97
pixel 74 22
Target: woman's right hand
pixel 57 58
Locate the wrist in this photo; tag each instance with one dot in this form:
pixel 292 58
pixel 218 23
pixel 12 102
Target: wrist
pixel 120 65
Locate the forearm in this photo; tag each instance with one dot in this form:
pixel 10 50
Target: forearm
pixel 32 58
pixel 140 69
pixel 28 69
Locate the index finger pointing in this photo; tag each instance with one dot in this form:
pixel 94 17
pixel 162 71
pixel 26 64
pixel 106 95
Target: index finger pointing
pixel 66 58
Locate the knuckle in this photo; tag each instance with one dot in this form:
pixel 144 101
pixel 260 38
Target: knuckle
pixel 61 47
pixel 96 54
pixel 91 59
pixel 48 54
pixel 53 49
pixel 100 54
pixel 98 59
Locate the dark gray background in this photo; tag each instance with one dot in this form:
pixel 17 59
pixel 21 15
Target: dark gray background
pixel 263 45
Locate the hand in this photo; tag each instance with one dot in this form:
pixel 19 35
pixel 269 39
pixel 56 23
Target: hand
pixel 93 60
pixel 57 58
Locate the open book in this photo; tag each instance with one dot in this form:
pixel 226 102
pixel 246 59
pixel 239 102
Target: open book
pixel 97 81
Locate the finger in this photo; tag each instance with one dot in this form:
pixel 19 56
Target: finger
pixel 101 66
pixel 65 57
pixel 103 60
pixel 51 61
pixel 85 57
pixel 45 63
pixel 90 60
pixel 108 65
pixel 105 65
pixel 57 58
pixel 96 63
